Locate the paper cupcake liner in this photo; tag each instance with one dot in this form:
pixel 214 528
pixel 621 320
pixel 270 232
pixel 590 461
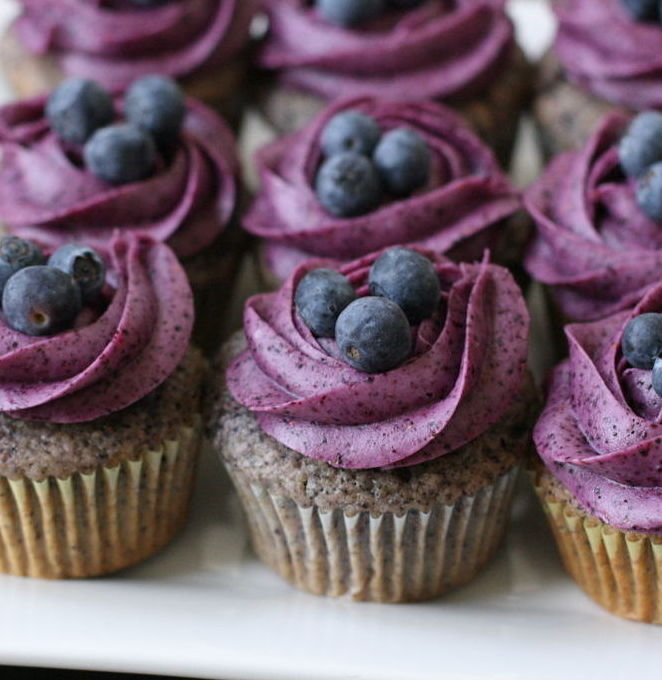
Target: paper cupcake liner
pixel 376 557
pixel 92 524
pixel 621 571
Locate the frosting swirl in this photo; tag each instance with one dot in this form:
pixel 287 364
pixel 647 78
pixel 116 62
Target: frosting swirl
pixel 115 360
pixel 600 433
pixel 593 243
pixel 114 42
pixel 605 51
pixel 466 198
pixel 466 370
pixel 48 196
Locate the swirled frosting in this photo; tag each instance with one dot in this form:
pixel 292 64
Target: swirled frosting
pixel 437 50
pixel 593 243
pixel 467 197
pixel 600 433
pixel 114 42
pixel 47 195
pixel 112 362
pixel 467 368
pixel 604 50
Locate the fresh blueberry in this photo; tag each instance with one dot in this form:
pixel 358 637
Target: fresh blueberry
pixel 78 108
pixel 84 266
pixel 643 10
pixel 350 13
pixel 656 376
pixel 15 254
pixel 350 131
pixel 149 3
pixel 649 192
pixel 120 154
pixel 348 185
pixel 402 159
pixel 641 145
pixel 642 340
pixel 40 300
pixel 405 4
pixel 320 297
pixel 373 335
pixel 156 104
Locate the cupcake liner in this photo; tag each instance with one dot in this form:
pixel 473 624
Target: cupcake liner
pixel 376 557
pixel 99 522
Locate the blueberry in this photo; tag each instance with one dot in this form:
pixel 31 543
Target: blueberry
pixel 350 131
pixel 149 3
pixel 84 266
pixel 642 340
pixel 120 154
pixel 77 108
pixel 643 10
pixel 649 192
pixel 408 279
pixel 40 300
pixel 373 335
pixel 156 104
pixel 405 4
pixel 348 185
pixel 15 254
pixel 641 145
pixel 350 13
pixel 402 159
pixel 320 297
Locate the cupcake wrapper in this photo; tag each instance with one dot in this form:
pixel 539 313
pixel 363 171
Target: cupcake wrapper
pixel 379 558
pixel 621 571
pixel 92 524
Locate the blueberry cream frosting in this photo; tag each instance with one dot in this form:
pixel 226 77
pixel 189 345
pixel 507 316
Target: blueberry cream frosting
pixel 393 359
pixel 427 49
pixel 369 173
pixel 117 41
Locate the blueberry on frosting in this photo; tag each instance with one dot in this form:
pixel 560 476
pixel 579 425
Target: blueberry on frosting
pixel 17 253
pixel 405 4
pixel 149 3
pixel 84 266
pixel 642 340
pixel 641 145
pixel 350 131
pixel 643 10
pixel 349 13
pixel 320 297
pixel 649 192
pixel 402 159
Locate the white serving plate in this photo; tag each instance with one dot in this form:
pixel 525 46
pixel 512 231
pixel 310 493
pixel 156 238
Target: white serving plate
pixel 205 607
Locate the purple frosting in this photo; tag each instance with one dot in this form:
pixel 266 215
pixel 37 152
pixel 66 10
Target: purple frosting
pixel 604 50
pixel 115 360
pixel 600 433
pixel 461 208
pixel 48 196
pixel 114 42
pixel 437 50
pixel 593 243
pixel 465 372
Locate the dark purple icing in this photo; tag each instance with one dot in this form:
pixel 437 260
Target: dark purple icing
pixel 115 360
pixel 467 368
pixel 435 51
pixel 461 208
pixel 593 243
pixel 600 433
pixel 48 196
pixel 114 42
pixel 605 51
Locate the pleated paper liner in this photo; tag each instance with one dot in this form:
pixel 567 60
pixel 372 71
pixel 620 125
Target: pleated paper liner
pixel 93 524
pixel 379 558
pixel 621 571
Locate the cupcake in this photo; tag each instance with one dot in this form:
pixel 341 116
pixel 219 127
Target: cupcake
pixel 462 53
pixel 378 464
pixel 202 43
pixel 424 178
pixel 606 57
pixel 599 440
pixel 70 172
pixel 100 401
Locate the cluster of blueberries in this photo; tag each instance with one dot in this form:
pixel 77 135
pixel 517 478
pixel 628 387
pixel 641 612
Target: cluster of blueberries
pixel 373 333
pixel 640 154
pixel 82 113
pixel 642 346
pixel 645 10
pixel 44 296
pixel 351 13
pixel 361 164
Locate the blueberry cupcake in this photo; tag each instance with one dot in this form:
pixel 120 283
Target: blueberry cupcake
pixel 201 43
pixel 462 53
pixel 606 57
pixel 100 404
pixel 80 165
pixel 373 418
pixel 370 173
